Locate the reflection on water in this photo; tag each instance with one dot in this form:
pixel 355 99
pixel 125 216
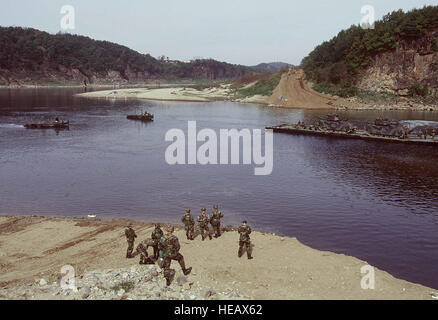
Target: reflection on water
pixel 376 201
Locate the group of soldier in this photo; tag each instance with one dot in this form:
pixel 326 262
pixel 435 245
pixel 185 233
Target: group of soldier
pixel 203 220
pixel 166 246
pixel 427 132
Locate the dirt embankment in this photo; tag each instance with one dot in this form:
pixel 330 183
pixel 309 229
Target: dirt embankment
pixel 294 91
pixel 36 248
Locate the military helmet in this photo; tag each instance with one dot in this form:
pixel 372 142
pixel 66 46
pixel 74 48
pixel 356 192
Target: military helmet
pixel 170 228
pixel 157 226
pixel 188 211
pixel 216 207
pixel 129 225
pixel 203 209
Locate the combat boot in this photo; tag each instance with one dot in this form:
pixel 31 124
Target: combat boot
pixel 187 271
pixel 169 277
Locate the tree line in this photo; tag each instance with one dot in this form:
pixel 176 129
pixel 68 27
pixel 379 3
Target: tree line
pixel 335 64
pixel 31 50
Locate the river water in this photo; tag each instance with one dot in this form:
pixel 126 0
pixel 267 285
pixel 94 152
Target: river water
pixel 372 200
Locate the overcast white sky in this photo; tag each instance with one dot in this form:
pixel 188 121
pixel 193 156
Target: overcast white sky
pixel 238 31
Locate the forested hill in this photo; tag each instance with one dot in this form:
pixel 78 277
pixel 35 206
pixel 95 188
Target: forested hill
pixel 271 66
pixel 399 55
pixel 29 56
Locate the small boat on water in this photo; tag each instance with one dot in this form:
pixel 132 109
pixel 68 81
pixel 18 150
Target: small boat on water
pixel 145 117
pixel 379 130
pixel 55 125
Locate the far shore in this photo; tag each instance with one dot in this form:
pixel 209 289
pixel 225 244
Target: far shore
pixel 293 92
pixel 177 94
pixel 311 100
pixel 33 248
pixel 91 86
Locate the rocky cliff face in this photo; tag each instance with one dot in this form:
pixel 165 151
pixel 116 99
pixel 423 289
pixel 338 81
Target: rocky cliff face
pixel 414 62
pixel 46 75
pixel 64 75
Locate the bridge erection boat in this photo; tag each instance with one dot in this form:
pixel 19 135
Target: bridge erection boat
pixel 145 117
pixel 407 131
pixel 55 125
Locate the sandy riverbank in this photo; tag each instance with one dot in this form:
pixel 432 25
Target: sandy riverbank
pixel 35 248
pixel 293 92
pixel 165 94
pixel 289 88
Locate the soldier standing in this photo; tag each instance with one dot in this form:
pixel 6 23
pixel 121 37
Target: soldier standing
pixel 244 241
pixel 203 220
pixel 142 249
pixel 216 221
pixel 156 236
pixel 169 247
pixel 189 224
pixel 130 237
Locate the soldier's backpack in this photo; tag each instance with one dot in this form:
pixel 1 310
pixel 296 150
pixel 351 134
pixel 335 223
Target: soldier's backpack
pixel 157 234
pixel 187 219
pixel 244 233
pixel 172 245
pixel 203 220
pixel 215 218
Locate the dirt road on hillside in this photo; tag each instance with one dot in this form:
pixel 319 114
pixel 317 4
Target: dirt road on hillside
pixel 294 91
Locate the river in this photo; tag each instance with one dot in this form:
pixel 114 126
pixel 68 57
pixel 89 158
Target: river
pixel 372 200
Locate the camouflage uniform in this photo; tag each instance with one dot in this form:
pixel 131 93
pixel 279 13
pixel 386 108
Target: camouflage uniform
pixel 244 241
pixel 169 250
pixel 216 221
pixel 130 237
pixel 156 236
pixel 203 220
pixel 142 249
pixel 189 225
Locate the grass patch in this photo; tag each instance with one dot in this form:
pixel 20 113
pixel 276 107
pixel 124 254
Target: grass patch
pixel 419 90
pixel 203 86
pixel 336 90
pixel 265 85
pixel 125 285
pixel 376 96
pixel 247 79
